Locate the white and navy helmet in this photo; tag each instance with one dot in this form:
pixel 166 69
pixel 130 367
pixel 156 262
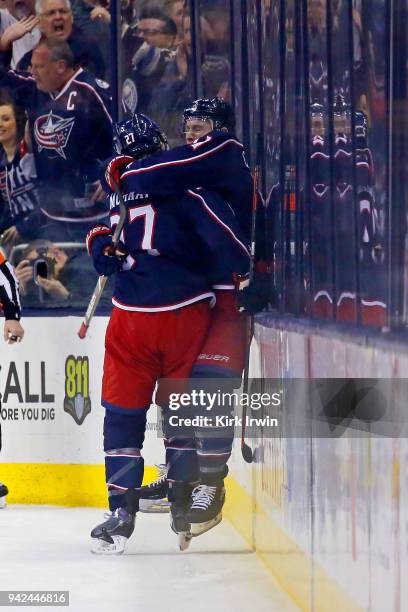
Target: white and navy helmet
pixel 216 109
pixel 137 135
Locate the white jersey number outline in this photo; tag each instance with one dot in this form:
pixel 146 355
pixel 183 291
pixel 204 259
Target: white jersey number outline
pixel 146 212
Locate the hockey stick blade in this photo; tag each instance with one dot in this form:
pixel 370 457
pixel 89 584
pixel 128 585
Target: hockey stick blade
pixel 247 454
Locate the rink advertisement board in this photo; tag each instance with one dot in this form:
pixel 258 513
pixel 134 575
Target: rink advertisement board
pixel 51 414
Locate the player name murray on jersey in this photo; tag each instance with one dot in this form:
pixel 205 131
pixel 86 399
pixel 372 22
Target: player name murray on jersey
pixel 127 197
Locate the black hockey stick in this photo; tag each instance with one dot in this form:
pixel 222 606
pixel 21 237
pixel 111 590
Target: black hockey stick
pixel 246 450
pixel 102 280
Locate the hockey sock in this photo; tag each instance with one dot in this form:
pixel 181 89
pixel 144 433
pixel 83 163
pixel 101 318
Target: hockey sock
pixel 214 441
pixel 181 456
pixel 181 459
pixel 124 465
pixel 213 452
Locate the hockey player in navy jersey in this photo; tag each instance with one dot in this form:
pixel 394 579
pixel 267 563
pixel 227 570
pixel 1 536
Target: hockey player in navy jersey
pixel 174 248
pixel 214 159
pixel 71 130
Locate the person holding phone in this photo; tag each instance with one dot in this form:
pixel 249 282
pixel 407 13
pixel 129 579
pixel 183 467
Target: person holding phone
pixel 38 274
pixel 51 276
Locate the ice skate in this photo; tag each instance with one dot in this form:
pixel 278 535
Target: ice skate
pixel 205 510
pixel 110 537
pixel 3 493
pixel 179 496
pixel 153 497
pixel 180 526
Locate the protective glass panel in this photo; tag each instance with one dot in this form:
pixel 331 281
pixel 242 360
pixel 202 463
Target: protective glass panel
pixel 215 42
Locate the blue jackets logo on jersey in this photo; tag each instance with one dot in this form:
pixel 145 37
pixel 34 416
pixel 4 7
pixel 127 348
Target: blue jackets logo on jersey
pixel 52 132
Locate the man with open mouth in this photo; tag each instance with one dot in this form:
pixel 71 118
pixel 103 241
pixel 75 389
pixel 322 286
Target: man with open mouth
pixel 56 22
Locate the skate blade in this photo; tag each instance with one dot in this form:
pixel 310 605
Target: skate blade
pixel 100 547
pixel 198 529
pixel 2 502
pixel 184 539
pixel 160 506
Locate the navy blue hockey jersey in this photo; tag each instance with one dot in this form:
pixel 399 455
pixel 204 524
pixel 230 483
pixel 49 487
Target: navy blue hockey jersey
pixel 18 192
pixel 181 247
pixel 215 162
pixel 70 132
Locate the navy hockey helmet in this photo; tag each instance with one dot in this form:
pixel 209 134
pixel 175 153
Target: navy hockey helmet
pixel 216 109
pixel 137 135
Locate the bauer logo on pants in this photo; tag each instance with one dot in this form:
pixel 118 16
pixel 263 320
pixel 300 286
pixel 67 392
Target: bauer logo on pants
pixel 77 401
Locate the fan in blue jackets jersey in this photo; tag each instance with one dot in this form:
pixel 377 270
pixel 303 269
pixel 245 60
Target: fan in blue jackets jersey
pixel 71 130
pixel 173 246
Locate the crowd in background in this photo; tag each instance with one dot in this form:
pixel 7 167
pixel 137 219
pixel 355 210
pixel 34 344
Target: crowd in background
pixel 158 62
pixel 55 119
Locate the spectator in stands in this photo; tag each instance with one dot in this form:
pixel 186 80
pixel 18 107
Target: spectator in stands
pixel 93 19
pixel 57 23
pixel 176 88
pixel 71 131
pixel 157 29
pixel 215 19
pixel 63 278
pixel 175 10
pixel 157 34
pixel 30 277
pixel 19 213
pixel 89 14
pixel 19 29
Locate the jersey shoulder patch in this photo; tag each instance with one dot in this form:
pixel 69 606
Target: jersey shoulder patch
pixel 102 84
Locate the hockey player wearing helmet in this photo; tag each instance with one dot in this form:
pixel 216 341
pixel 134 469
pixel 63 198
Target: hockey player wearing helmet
pixel 214 160
pixel 161 297
pixel 204 116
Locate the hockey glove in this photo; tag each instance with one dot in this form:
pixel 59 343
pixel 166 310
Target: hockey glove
pixel 255 296
pixel 107 259
pixel 115 168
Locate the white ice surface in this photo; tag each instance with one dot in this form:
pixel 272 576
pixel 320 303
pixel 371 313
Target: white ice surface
pixel 47 548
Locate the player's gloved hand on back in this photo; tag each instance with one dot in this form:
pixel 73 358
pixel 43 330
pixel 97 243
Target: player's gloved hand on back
pixel 107 258
pixel 255 296
pixel 114 170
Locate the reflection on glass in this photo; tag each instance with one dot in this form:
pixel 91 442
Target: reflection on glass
pixel 371 158
pixel 271 25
